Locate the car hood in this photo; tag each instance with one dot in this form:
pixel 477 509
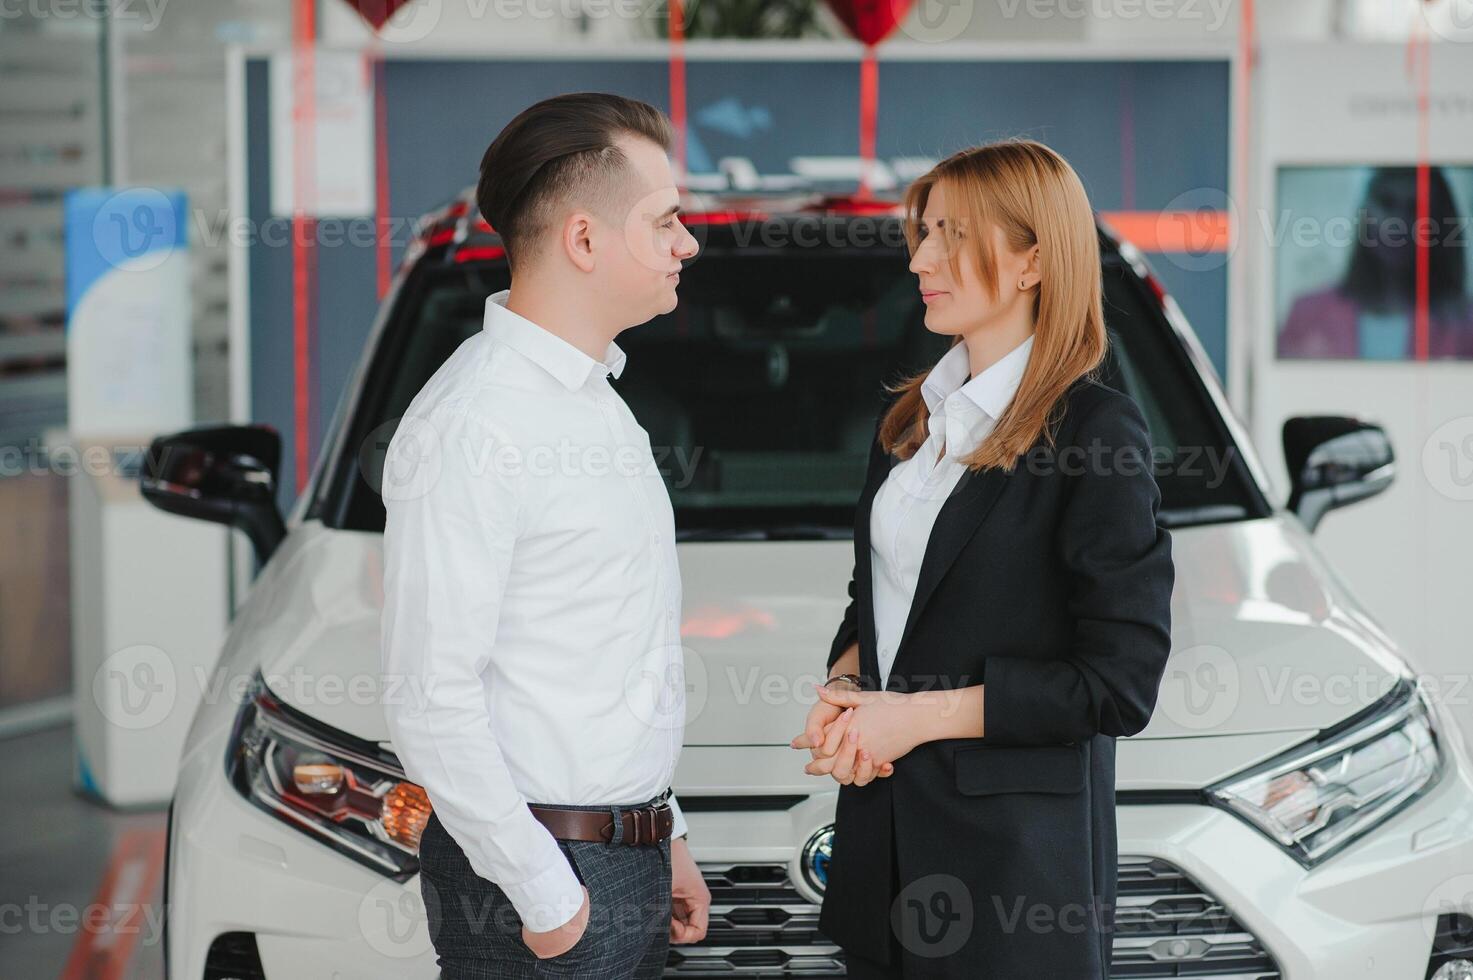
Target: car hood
pixel 1268 645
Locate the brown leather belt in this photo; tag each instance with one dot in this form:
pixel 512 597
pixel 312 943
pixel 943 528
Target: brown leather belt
pixel 641 826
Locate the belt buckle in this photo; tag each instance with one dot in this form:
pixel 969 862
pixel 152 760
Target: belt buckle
pixel 646 825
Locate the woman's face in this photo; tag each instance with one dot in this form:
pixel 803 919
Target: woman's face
pixel 960 305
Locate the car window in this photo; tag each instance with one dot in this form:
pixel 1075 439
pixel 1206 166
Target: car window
pixel 761 390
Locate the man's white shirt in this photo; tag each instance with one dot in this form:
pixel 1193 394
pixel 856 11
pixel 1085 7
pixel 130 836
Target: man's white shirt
pixel 532 594
pixel 962 414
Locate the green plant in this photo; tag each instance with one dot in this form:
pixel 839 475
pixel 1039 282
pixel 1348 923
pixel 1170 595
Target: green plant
pixel 741 19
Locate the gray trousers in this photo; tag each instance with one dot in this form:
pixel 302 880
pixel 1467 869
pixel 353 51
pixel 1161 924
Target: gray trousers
pixel 477 932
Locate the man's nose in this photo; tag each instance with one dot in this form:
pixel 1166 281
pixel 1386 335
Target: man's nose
pixel 689 246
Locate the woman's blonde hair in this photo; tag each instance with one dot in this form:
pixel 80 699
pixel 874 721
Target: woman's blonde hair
pixel 1034 196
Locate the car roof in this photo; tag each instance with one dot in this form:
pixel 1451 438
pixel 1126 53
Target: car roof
pixel 459 224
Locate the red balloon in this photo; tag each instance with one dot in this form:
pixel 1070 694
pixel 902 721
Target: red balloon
pixel 377 12
pixel 870 21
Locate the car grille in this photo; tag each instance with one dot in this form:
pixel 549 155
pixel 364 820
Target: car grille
pixel 760 927
pixel 1166 925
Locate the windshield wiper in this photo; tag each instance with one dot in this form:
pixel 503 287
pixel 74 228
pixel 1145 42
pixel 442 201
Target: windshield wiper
pixel 782 532
pixel 1207 514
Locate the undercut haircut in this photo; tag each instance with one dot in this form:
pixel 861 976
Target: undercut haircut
pixel 556 149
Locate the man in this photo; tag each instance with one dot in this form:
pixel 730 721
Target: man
pixel 531 589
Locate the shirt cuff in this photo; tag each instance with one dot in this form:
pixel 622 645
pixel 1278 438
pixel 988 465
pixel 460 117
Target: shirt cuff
pixel 549 898
pixel 679 827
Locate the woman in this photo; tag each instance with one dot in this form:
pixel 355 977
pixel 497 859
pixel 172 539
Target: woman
pixel 1010 603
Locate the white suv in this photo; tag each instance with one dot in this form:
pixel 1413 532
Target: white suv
pixel 1297 807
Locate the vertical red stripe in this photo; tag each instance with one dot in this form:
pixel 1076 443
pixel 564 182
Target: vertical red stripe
pixel 1421 52
pixel 677 85
pixel 869 105
pixel 304 99
pixel 1243 106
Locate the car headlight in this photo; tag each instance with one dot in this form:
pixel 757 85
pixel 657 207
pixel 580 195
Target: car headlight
pixel 1323 795
pixel 347 792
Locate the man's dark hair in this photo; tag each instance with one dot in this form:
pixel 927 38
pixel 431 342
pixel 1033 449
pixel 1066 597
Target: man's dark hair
pixel 553 147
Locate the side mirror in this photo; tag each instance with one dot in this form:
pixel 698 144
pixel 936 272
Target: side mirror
pixel 1334 461
pixel 226 474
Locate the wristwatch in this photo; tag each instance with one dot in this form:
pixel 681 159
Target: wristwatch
pixel 853 679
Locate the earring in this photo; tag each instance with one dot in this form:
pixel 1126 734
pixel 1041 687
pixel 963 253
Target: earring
pixel 1022 284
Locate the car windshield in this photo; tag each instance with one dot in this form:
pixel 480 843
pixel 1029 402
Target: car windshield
pixel 760 391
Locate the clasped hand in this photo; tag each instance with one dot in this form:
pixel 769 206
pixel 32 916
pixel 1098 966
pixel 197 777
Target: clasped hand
pixel 856 736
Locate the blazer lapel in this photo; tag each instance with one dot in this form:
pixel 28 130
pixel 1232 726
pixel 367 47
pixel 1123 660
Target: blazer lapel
pixel 956 523
pixel 863 567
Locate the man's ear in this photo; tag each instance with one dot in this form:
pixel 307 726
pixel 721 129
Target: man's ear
pixel 578 240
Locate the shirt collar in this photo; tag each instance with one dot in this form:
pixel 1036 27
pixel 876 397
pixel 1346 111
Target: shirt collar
pixel 546 349
pixel 990 391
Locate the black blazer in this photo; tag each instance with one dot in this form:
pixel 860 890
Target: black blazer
pixel 1051 586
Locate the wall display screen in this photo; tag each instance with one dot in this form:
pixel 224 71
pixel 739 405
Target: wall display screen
pixel 1345 242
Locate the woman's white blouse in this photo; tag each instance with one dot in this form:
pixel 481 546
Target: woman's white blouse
pixel 962 413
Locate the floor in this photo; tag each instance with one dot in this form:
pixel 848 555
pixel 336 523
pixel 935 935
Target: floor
pixel 81 887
